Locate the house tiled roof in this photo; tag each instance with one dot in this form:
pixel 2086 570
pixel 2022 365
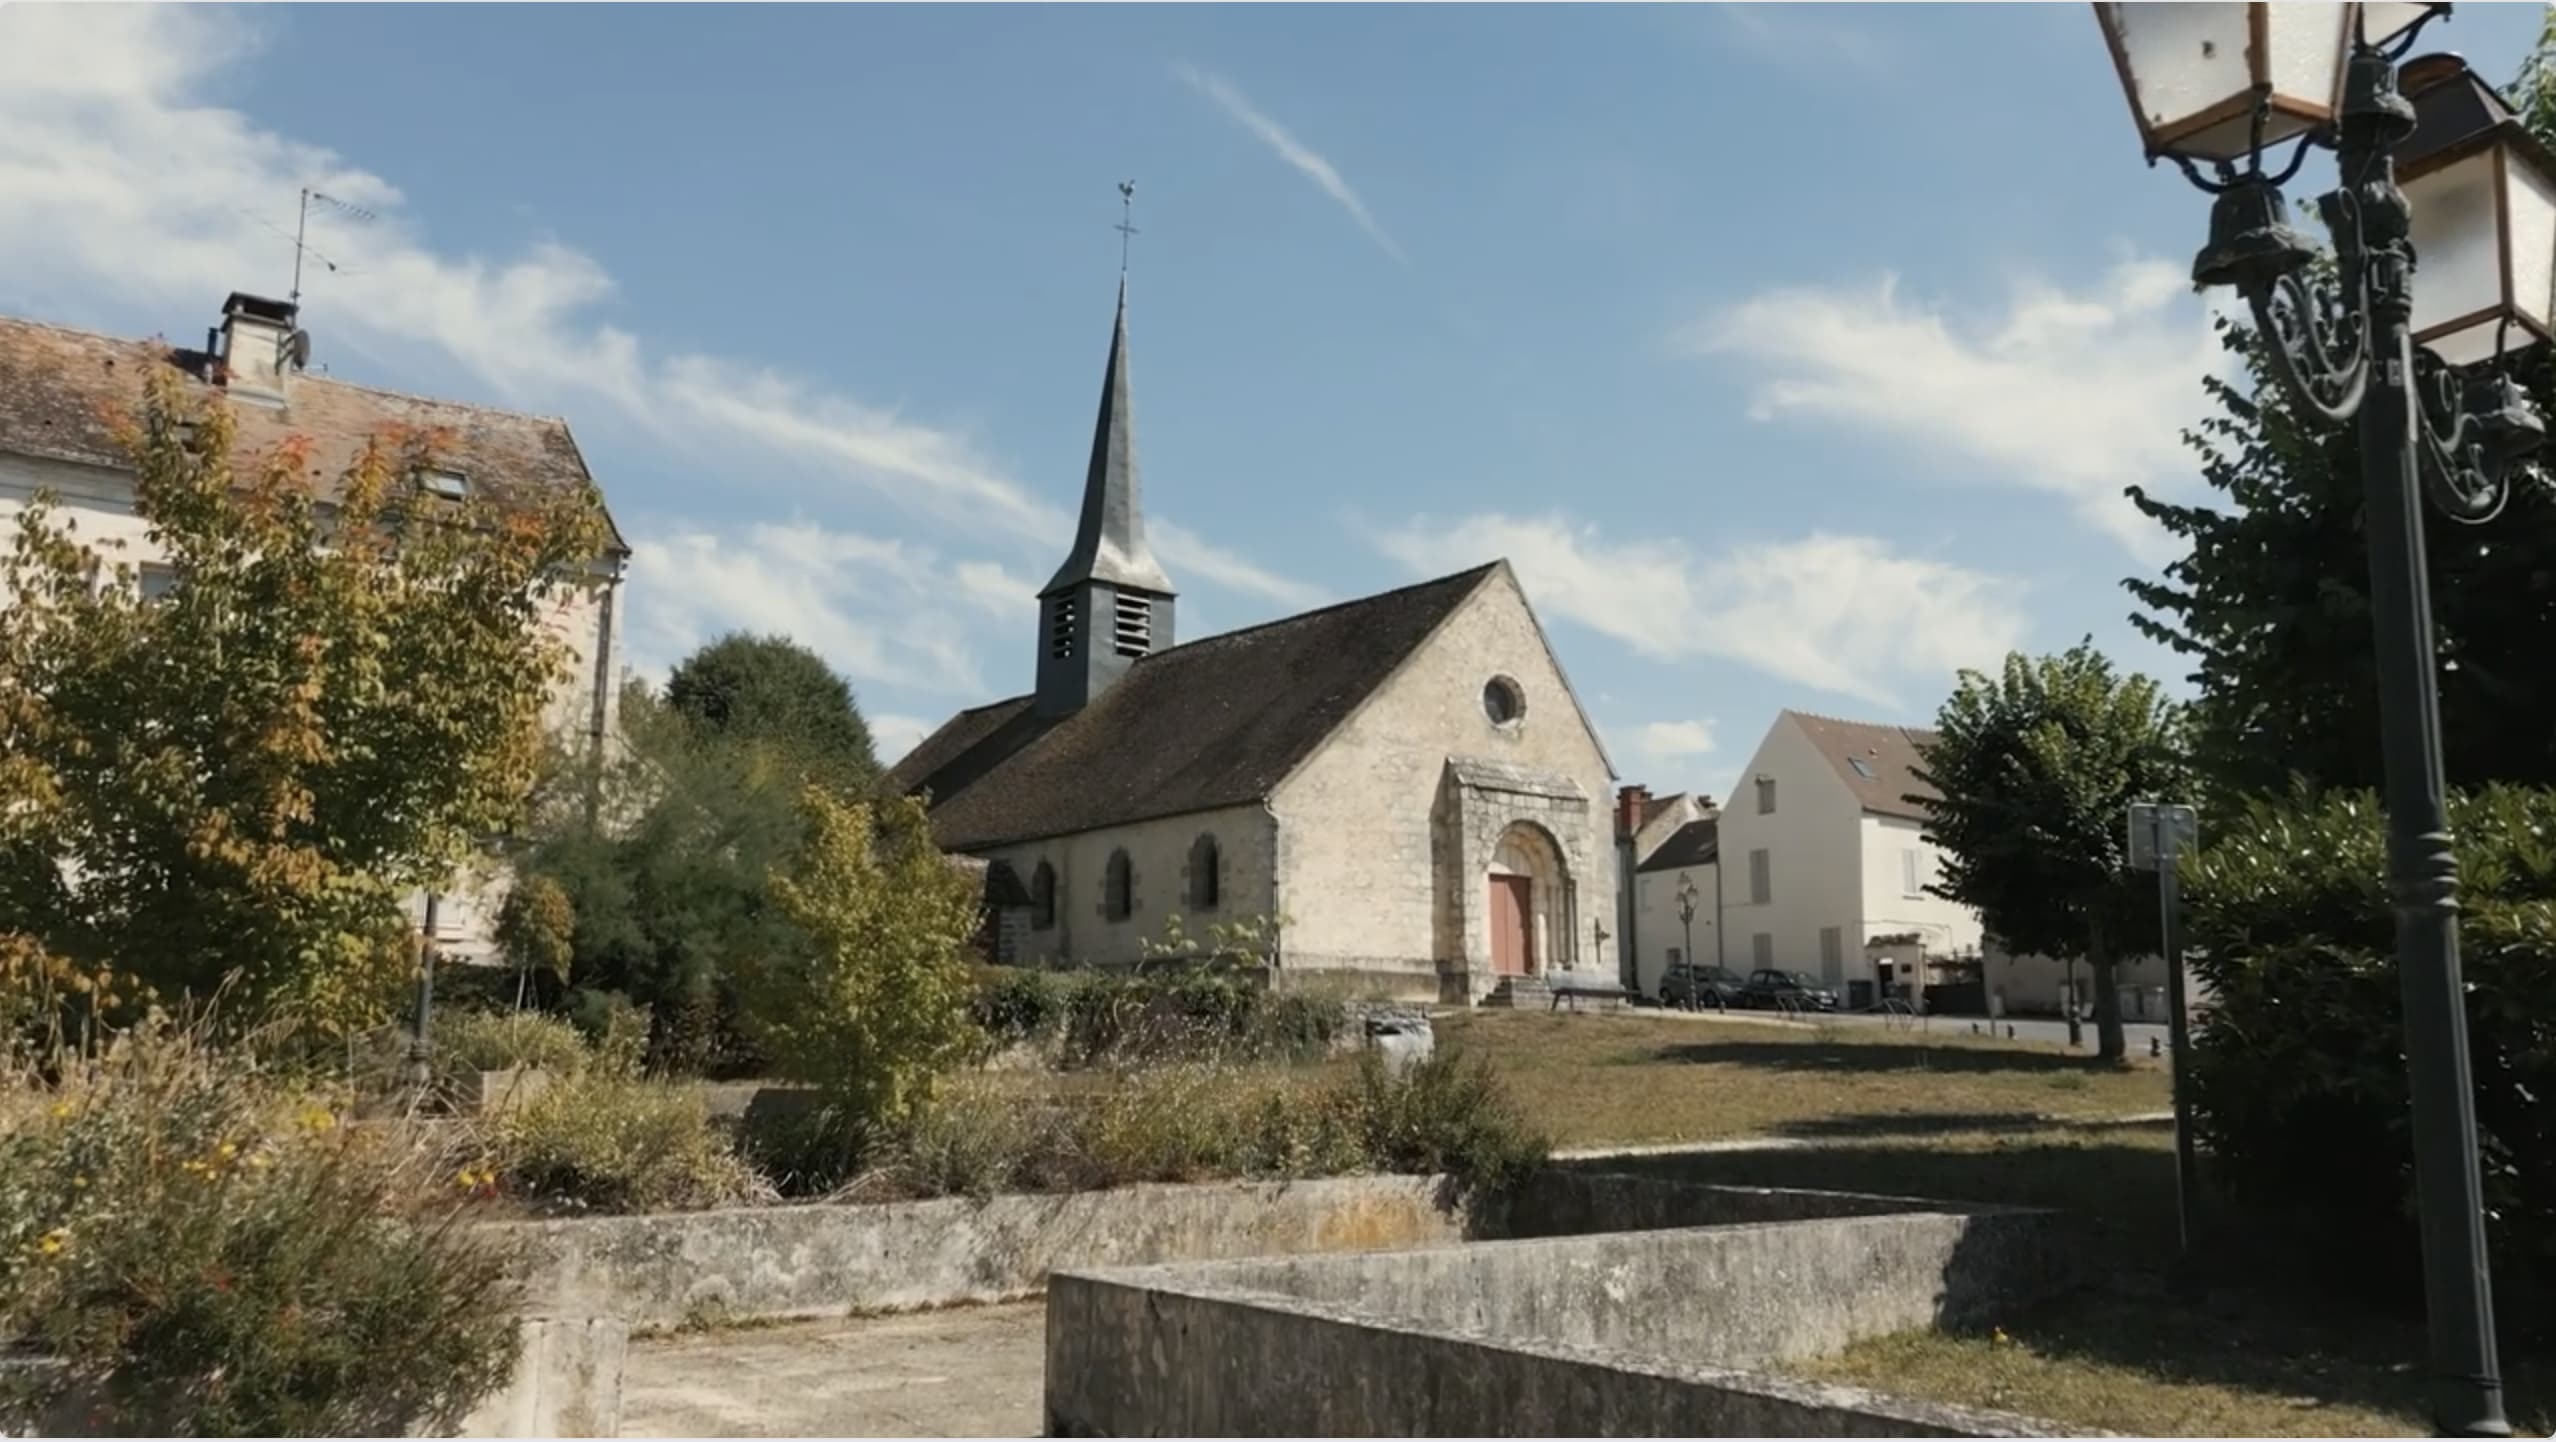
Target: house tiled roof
pixel 1697 843
pixel 1878 762
pixel 1652 807
pixel 59 387
pixel 1216 722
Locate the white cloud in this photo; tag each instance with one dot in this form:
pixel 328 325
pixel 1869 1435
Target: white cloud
pixel 1289 149
pixel 874 608
pixel 892 735
pixel 118 188
pixel 1663 740
pixel 2077 393
pixel 1844 614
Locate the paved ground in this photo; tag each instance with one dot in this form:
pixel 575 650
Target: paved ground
pixel 962 1372
pixel 2026 1028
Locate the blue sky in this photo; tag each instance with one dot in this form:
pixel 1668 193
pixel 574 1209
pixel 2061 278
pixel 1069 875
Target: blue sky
pixel 1796 355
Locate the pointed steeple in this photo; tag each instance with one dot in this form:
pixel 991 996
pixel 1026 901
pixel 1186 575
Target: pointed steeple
pixel 1109 545
pixel 1110 605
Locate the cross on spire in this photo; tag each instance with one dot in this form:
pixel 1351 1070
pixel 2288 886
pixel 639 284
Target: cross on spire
pixel 1126 230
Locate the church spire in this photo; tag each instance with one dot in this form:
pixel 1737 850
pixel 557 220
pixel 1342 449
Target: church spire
pixel 1109 605
pixel 1109 545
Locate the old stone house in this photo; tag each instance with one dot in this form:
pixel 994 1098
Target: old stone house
pixel 59 386
pixel 1407 779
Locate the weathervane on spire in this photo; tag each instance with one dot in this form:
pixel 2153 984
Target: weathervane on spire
pixel 1126 230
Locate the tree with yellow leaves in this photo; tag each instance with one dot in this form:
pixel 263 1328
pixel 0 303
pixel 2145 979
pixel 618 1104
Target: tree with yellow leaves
pixel 235 784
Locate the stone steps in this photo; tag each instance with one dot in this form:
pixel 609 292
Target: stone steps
pixel 1520 993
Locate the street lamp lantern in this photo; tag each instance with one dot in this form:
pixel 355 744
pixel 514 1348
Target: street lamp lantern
pixel 2216 82
pixel 2483 193
pixel 2435 169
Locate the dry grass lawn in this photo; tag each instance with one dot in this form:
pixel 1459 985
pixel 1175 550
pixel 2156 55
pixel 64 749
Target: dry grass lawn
pixel 1626 1079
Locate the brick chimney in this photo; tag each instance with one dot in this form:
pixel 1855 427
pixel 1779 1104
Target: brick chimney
pixel 1629 804
pixel 258 347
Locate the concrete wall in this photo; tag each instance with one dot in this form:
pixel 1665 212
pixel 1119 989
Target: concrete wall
pixel 823 1260
pixel 1159 852
pixel 2036 985
pixel 1814 846
pixel 567 1382
pixel 1369 866
pixel 1890 908
pixel 1619 1334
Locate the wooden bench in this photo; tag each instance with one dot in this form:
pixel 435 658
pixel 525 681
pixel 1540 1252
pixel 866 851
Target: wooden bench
pixel 1562 990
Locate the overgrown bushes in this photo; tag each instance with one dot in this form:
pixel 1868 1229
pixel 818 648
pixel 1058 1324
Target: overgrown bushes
pixel 1188 1121
pixel 494 1041
pixel 211 1254
pixel 2299 1080
pixel 1085 1018
pixel 621 1144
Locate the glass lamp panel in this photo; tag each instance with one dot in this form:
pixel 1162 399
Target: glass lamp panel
pixel 2458 278
pixel 2529 198
pixel 2179 60
pixel 2307 44
pixel 2385 22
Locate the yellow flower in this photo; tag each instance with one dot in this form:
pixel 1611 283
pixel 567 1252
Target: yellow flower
pixel 80 1181
pixel 230 1150
pixel 1998 1336
pixel 52 1242
pixel 318 1119
pixel 61 1110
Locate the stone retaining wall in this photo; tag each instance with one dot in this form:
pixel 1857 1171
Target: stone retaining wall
pixel 1613 1334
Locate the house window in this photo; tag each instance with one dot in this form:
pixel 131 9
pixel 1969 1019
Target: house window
pixel 1135 630
pixel 1761 879
pixel 1503 701
pixel 1765 795
pixel 1043 897
pixel 1118 887
pixel 1862 768
pixel 1912 872
pixel 1205 886
pixel 1060 628
pixel 1832 949
pixel 451 485
pixel 157 582
pixel 1761 949
pixel 1676 956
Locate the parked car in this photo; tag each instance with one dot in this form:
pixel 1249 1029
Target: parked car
pixel 1696 987
pixel 1796 990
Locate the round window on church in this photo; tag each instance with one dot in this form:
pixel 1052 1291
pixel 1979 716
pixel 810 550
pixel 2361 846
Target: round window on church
pixel 1503 702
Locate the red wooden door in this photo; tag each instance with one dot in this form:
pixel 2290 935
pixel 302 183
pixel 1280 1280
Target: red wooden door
pixel 1512 942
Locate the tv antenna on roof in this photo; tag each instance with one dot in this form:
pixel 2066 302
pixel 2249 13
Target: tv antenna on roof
pixel 302 229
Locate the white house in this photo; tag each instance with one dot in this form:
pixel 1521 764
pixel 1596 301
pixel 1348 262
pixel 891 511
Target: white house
pixel 58 386
pixel 1825 862
pixel 1677 902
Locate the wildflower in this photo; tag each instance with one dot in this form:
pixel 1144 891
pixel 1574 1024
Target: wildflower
pixel 229 1150
pixel 52 1242
pixel 61 1110
pixel 318 1119
pixel 1998 1336
pixel 81 1180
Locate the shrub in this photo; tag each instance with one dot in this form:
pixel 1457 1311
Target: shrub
pixel 2299 1080
pixel 1189 1011
pixel 1445 1113
pixel 210 1254
pixel 619 1144
pixel 1014 1004
pixel 494 1041
pixel 874 1009
pixel 614 1027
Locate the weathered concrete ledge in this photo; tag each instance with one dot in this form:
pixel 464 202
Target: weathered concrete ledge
pixel 773 1263
pixel 1618 1334
pixel 566 1383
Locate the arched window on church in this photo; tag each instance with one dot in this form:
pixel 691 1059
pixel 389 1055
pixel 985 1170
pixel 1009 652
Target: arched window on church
pixel 1043 897
pixel 1206 884
pixel 1118 887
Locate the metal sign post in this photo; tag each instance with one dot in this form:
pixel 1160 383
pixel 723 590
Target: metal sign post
pixel 2159 836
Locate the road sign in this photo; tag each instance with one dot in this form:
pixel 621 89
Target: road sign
pixel 2156 828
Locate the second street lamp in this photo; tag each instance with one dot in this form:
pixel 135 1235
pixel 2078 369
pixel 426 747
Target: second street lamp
pixel 2351 344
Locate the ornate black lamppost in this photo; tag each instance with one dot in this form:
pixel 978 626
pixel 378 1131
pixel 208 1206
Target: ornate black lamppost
pixel 2220 84
pixel 1686 895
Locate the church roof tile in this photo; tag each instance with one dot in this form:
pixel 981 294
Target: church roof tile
pixel 1215 722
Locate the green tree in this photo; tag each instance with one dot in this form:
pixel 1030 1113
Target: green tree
pixel 876 1011
pixel 537 931
pixel 774 692
pixel 669 878
pixel 237 782
pixel 2037 769
pixel 2271 599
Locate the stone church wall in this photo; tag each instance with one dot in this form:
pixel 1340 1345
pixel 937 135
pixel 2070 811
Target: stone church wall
pixel 1371 884
pixel 1159 853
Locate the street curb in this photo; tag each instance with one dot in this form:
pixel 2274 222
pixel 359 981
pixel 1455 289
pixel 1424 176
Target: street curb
pixel 1788 1144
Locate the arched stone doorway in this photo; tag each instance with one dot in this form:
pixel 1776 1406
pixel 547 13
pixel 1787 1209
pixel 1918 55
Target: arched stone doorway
pixel 1530 887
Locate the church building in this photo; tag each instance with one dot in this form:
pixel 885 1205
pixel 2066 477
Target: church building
pixel 1407 780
